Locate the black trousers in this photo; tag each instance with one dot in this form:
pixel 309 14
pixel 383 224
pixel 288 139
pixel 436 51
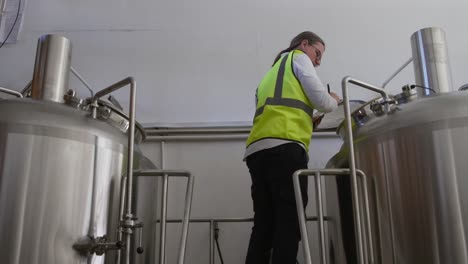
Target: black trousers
pixel 276 228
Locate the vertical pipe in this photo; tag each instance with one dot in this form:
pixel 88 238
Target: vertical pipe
pixel 367 214
pixel 318 190
pixel 51 68
pixel 352 165
pixel 123 190
pixel 162 238
pixel 431 61
pixel 185 223
pixel 131 140
pixel 162 241
pixel 128 241
pixel 363 224
pixel 301 216
pixel 212 254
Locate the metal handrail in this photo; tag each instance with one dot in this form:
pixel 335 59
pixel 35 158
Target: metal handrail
pixel 188 206
pixel 214 221
pixel 11 92
pixel 129 219
pixel 350 141
pixel 317 173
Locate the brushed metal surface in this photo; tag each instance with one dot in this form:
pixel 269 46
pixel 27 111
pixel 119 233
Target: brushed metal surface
pixel 430 61
pixel 416 158
pixel 59 182
pixel 51 68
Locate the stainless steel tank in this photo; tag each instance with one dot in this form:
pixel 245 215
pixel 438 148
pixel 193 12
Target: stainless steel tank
pixel 62 161
pixel 415 160
pixel 59 182
pixel 412 151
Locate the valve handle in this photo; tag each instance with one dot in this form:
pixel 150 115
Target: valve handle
pixel 140 248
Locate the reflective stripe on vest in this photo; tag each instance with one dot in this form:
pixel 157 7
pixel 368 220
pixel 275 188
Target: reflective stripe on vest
pixel 285 112
pixel 277 100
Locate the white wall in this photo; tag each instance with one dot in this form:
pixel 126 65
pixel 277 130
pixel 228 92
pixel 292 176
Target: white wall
pixel 198 61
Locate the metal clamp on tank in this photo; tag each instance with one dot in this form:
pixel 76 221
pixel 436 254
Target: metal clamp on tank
pixel 379 105
pixel 72 100
pixel 96 245
pixel 408 94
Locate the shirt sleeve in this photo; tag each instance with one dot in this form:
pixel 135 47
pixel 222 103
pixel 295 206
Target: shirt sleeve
pixel 312 85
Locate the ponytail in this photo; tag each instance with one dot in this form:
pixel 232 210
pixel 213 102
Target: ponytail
pixel 283 51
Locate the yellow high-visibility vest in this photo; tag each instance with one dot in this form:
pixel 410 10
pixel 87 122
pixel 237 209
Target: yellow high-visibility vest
pixel 283 110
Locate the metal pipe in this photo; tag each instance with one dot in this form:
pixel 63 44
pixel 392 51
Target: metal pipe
pixel 221 137
pixel 229 220
pixel 77 75
pixel 164 193
pixel 188 206
pixel 163 155
pixel 152 173
pixel 212 254
pixel 185 224
pixel 197 137
pixel 301 217
pixel 123 189
pixel 318 193
pixel 12 92
pixel 131 138
pixel 363 85
pixel 363 224
pixel 230 130
pixel 398 71
pixel 352 162
pixel 26 89
pixel 212 221
pixel 162 239
pixel 51 68
pixel 301 214
pixel 431 61
pixel 128 241
pixel 367 215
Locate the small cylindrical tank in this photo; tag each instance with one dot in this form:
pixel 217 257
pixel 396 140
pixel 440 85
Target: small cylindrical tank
pixel 51 69
pixel 431 61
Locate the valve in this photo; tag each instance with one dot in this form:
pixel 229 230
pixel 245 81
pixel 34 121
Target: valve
pixel 128 225
pixel 140 248
pixel 96 245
